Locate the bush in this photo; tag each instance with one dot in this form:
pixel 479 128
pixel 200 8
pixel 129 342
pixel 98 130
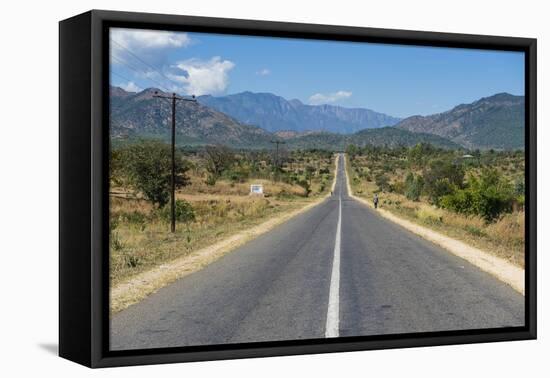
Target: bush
pixel 211 180
pixel 184 212
pixel 116 243
pixel 135 217
pixel 488 196
pixel 441 179
pixel 239 173
pixel 218 160
pixel 413 186
pixel 398 187
pixel 383 182
pixel 476 231
pixel 147 167
pixel 132 261
pixel 306 186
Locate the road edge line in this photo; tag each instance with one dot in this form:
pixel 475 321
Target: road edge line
pixel 505 271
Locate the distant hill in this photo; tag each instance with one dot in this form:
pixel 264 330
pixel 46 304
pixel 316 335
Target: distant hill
pixel 142 115
pixel 385 136
pixel 492 122
pixel 274 113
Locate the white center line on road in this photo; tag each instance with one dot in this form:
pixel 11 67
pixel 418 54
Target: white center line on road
pixel 333 313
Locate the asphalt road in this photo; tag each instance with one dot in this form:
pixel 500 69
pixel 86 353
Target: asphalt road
pixel 338 269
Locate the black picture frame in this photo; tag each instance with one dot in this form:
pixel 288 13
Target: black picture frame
pixel 83 181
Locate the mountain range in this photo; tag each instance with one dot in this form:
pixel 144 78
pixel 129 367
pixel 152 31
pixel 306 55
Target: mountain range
pixel 274 113
pixel 492 122
pixel 142 115
pixel 236 120
pixel 383 136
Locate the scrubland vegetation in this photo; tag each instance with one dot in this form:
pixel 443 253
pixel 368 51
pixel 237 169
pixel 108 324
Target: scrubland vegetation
pixel 213 197
pixel 477 197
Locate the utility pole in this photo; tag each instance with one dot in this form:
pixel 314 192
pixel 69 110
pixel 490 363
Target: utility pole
pixel 174 99
pixel 277 142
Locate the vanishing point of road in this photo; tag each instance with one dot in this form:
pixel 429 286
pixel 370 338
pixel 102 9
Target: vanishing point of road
pixel 338 269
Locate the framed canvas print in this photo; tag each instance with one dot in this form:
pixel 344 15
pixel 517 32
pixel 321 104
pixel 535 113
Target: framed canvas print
pixel 234 188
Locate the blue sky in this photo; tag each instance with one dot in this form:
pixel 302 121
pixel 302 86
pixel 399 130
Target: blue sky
pixel 392 79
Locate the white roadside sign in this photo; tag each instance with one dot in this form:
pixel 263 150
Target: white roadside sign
pixel 257 189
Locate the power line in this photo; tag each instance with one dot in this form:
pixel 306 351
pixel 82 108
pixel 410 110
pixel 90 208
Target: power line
pixel 140 72
pixel 120 76
pixel 159 71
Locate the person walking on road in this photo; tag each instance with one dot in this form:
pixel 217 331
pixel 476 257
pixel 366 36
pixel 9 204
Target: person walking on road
pixel 375 200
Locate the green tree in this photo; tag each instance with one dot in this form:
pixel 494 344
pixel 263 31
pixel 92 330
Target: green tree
pixel 418 154
pixel 413 186
pixel 147 169
pixel 218 159
pixel 488 196
pixel 442 178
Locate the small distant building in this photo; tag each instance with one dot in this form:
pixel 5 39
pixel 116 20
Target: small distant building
pixel 467 156
pixel 257 189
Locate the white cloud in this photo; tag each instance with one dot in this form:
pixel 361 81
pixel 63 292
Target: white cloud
pixel 199 77
pixel 148 39
pixel 320 98
pixel 263 72
pixel 128 43
pixel 130 87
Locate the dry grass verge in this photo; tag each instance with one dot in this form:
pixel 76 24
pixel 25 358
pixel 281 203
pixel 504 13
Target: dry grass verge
pixel 501 268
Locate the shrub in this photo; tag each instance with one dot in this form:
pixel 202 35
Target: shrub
pixel 218 160
pixel 441 179
pixel 398 187
pixel 413 186
pixel 240 173
pixel 306 186
pixel 476 231
pixel 184 212
pixel 211 180
pixel 132 261
pixel 147 166
pixel 116 243
pixel 135 217
pixel 488 196
pixel 383 182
